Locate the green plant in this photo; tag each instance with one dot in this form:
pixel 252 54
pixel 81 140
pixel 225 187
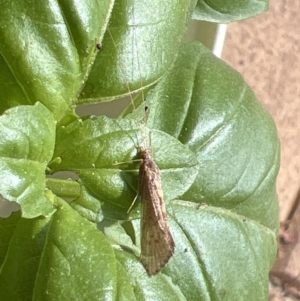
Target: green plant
pixel 216 147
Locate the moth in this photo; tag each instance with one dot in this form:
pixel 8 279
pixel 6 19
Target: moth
pixel 157 244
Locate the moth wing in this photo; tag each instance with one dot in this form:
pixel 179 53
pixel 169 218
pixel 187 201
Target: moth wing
pixel 157 244
pixel 157 247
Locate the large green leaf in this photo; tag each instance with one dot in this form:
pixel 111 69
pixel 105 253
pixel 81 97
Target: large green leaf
pixel 208 106
pixel 227 11
pixel 46 50
pixel 139 47
pixel 49 53
pixel 27 136
pixel 219 255
pixel 101 151
pixel 62 257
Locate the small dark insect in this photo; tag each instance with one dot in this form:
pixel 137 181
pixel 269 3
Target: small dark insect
pixel 99 46
pixel 157 244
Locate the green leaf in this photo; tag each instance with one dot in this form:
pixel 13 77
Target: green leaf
pixel 124 289
pixel 228 11
pixel 219 255
pixel 147 288
pixel 89 206
pixel 101 151
pixel 46 50
pixel 27 136
pixel 139 47
pixel 208 106
pixel 214 247
pixel 62 257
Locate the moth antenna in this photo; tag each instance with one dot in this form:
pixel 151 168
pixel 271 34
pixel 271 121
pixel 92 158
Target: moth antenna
pixel 127 81
pixel 150 142
pixel 141 86
pixel 134 47
pixel 138 60
pixel 131 138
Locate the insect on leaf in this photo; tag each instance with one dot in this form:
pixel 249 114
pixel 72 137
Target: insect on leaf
pixel 157 244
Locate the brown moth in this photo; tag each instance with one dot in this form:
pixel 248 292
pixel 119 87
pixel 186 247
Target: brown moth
pixel 157 244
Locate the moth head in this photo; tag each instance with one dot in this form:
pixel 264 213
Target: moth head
pixel 145 154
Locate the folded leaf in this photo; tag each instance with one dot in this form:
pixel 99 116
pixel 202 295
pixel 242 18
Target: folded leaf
pixel 227 11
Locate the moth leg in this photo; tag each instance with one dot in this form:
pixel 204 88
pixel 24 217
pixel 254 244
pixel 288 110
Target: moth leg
pixel 128 162
pixel 136 197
